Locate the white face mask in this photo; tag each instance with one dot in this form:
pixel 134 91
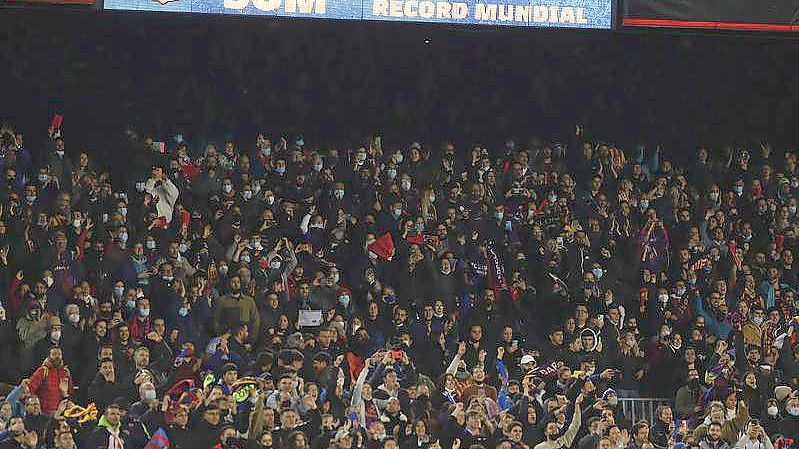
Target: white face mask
pixel 227 188
pixel 758 320
pixel 663 298
pixel 74 318
pixel 55 335
pixel 49 281
pixel 772 411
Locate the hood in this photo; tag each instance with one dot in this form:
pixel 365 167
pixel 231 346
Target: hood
pixel 107 425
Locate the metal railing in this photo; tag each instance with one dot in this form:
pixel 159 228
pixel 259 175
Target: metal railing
pixel 636 409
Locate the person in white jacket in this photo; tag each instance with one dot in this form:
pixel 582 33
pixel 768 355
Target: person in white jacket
pixel 163 192
pixel 754 437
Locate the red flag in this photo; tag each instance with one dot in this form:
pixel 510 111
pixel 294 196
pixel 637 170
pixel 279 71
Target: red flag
pixel 56 122
pixel 416 239
pixel 383 247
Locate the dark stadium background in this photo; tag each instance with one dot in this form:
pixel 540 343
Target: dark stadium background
pixel 336 82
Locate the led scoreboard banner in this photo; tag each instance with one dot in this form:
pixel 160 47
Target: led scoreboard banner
pixel 525 13
pixel 740 15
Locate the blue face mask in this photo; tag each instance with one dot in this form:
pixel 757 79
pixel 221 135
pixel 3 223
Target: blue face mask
pixel 344 300
pixel 144 312
pixel 280 170
pixel 118 291
pixel 183 311
pixel 598 272
pixel 644 204
pixel 183 248
pixel 123 237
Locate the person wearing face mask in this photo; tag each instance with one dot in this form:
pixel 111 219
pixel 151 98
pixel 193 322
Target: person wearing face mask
pixel 788 426
pixel 163 192
pixel 141 323
pixel 53 339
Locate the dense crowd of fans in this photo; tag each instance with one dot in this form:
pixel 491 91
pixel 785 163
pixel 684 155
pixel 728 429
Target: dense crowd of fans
pixel 273 293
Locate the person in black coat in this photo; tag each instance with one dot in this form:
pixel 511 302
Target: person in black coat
pixel 106 385
pixel 109 433
pixel 206 427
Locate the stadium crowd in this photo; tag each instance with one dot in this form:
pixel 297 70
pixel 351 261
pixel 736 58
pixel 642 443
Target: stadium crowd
pixel 272 293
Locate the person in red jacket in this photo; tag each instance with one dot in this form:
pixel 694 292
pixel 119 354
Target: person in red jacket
pixel 51 382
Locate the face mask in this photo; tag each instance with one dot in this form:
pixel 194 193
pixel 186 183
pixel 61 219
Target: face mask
pixel 144 312
pixel 123 211
pixel 48 281
pixel 60 153
pixel 339 193
pixel 43 178
pixel 406 185
pixel 247 194
pixel 227 188
pixel 76 223
pixel 150 244
pixel 223 270
pixel 644 204
pixel 317 167
pixel 499 215
pixel 183 311
pixel 118 291
pixel 280 170
pixel 792 209
pixel 182 248
pixel 613 401
pixel 680 291
pixel 360 157
pixel 391 173
pixel 168 278
pixel 664 298
pixel 419 227
pixel 148 395
pixel 398 158
pixel 553 198
pixel 344 300
pixel 245 258
pixel 55 335
pixel 266 151
pixel 130 304
pixel 598 272
pixel 714 196
pixel 30 198
pixel 758 320
pixel 772 411
pixel 793 411
pixel 274 265
pixel 123 237
pixel 397 213
pixel 739 190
